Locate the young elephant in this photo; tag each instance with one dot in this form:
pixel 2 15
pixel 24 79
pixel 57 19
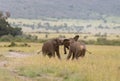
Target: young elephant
pixel 51 46
pixel 77 49
pixel 66 42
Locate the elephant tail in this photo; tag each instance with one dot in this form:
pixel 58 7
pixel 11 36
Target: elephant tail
pixel 89 52
pixel 39 51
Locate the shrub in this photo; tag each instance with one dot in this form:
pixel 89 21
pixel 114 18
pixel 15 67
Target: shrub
pixel 19 38
pixel 103 41
pixel 12 44
pixel 24 45
pixel 7 38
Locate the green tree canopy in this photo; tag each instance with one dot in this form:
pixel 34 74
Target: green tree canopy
pixel 5 27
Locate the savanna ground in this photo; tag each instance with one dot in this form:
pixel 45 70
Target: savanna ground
pixel 102 65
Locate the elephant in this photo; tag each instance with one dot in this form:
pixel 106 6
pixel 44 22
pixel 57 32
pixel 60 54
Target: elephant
pixel 77 49
pixel 66 42
pixel 51 47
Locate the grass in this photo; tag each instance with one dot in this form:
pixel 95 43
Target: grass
pixel 68 35
pixel 96 68
pixel 5 75
pixel 102 65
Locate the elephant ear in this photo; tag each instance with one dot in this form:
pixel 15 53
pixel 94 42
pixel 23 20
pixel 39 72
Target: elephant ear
pixel 76 37
pixel 66 40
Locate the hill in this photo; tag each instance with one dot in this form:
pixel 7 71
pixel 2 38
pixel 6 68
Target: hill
pixel 80 9
pixel 66 25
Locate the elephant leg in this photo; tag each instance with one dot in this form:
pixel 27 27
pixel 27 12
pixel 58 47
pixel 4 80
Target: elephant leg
pixel 53 54
pixel 77 55
pixel 73 56
pixel 49 55
pixel 69 55
pixel 58 54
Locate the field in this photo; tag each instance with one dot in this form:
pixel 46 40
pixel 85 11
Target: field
pixel 26 65
pixel 69 35
pixel 67 25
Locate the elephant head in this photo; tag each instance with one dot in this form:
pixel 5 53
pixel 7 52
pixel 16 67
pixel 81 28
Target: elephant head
pixel 58 41
pixel 67 42
pixel 51 47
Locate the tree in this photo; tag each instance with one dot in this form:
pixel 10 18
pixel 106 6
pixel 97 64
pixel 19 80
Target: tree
pixel 1 14
pixel 5 27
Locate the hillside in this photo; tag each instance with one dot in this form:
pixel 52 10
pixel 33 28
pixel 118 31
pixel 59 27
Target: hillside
pixel 83 9
pixel 66 25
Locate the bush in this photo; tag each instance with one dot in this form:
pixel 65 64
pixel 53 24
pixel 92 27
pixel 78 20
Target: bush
pixel 103 41
pixel 25 45
pixel 7 38
pixel 5 27
pixel 19 38
pixel 90 42
pixel 12 44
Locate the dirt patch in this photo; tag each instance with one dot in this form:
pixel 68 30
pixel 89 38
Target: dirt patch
pixel 14 54
pixel 3 63
pixel 17 55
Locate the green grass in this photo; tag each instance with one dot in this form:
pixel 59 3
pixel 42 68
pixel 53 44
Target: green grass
pixel 102 65
pixel 5 75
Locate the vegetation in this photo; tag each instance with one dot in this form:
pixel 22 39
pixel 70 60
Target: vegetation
pixel 19 38
pixel 102 65
pixel 95 40
pixel 5 27
pixel 13 44
pixel 6 76
pixel 103 41
pixel 66 25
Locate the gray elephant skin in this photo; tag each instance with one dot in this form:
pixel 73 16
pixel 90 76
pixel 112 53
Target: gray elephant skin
pixel 77 49
pixel 51 47
pixel 66 42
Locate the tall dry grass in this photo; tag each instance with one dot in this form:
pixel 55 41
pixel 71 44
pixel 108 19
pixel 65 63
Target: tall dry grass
pixel 102 65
